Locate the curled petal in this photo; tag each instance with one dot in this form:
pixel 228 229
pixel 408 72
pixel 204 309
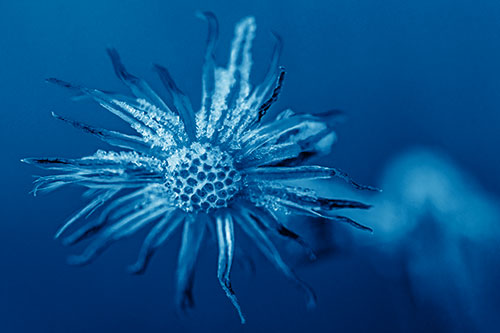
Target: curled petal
pixel 225 236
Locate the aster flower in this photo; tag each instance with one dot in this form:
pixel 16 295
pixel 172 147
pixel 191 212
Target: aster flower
pixel 220 170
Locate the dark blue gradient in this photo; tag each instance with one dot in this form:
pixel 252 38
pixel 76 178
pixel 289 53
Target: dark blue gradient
pixel 407 73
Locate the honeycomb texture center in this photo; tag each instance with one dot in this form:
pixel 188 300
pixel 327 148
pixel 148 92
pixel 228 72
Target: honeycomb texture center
pixel 202 178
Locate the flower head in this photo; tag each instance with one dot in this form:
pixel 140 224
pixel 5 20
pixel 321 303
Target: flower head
pixel 226 164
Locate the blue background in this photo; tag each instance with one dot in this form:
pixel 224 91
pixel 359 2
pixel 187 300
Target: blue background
pixel 406 72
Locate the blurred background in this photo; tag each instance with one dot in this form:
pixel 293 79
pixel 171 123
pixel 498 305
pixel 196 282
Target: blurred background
pixel 419 82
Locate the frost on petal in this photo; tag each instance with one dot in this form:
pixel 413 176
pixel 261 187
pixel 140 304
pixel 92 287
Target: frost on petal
pixel 180 101
pixel 223 166
pixel 297 208
pixel 159 128
pixel 138 86
pixel 302 201
pixel 256 104
pixel 232 84
pixel 311 132
pixel 303 196
pixel 271 155
pixel 208 77
pixel 113 138
pixel 103 170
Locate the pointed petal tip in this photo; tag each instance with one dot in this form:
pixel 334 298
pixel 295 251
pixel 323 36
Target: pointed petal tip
pixel 32 161
pixel 116 61
pixel 111 51
pixel 311 298
pixel 54 80
pixel 368 229
pixel 368 188
pixel 67 85
pixel 364 187
pixel 136 269
pixel 360 205
pixel 118 66
pixel 58 82
pixel 311 304
pixel 58 234
pixel 185 303
pixel 279 42
pixel 276 35
pixel 158 67
pixel 232 297
pixel 248 20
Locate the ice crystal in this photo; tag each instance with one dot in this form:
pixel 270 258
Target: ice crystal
pixel 221 166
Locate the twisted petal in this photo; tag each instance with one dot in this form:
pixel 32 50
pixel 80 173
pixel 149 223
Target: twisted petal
pixel 180 100
pixel 138 86
pixel 225 236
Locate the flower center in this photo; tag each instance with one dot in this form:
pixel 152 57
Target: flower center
pixel 202 178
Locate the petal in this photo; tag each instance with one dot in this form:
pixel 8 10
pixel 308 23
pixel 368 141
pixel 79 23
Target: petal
pixel 192 235
pixel 302 173
pixel 252 229
pixel 155 238
pixel 225 236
